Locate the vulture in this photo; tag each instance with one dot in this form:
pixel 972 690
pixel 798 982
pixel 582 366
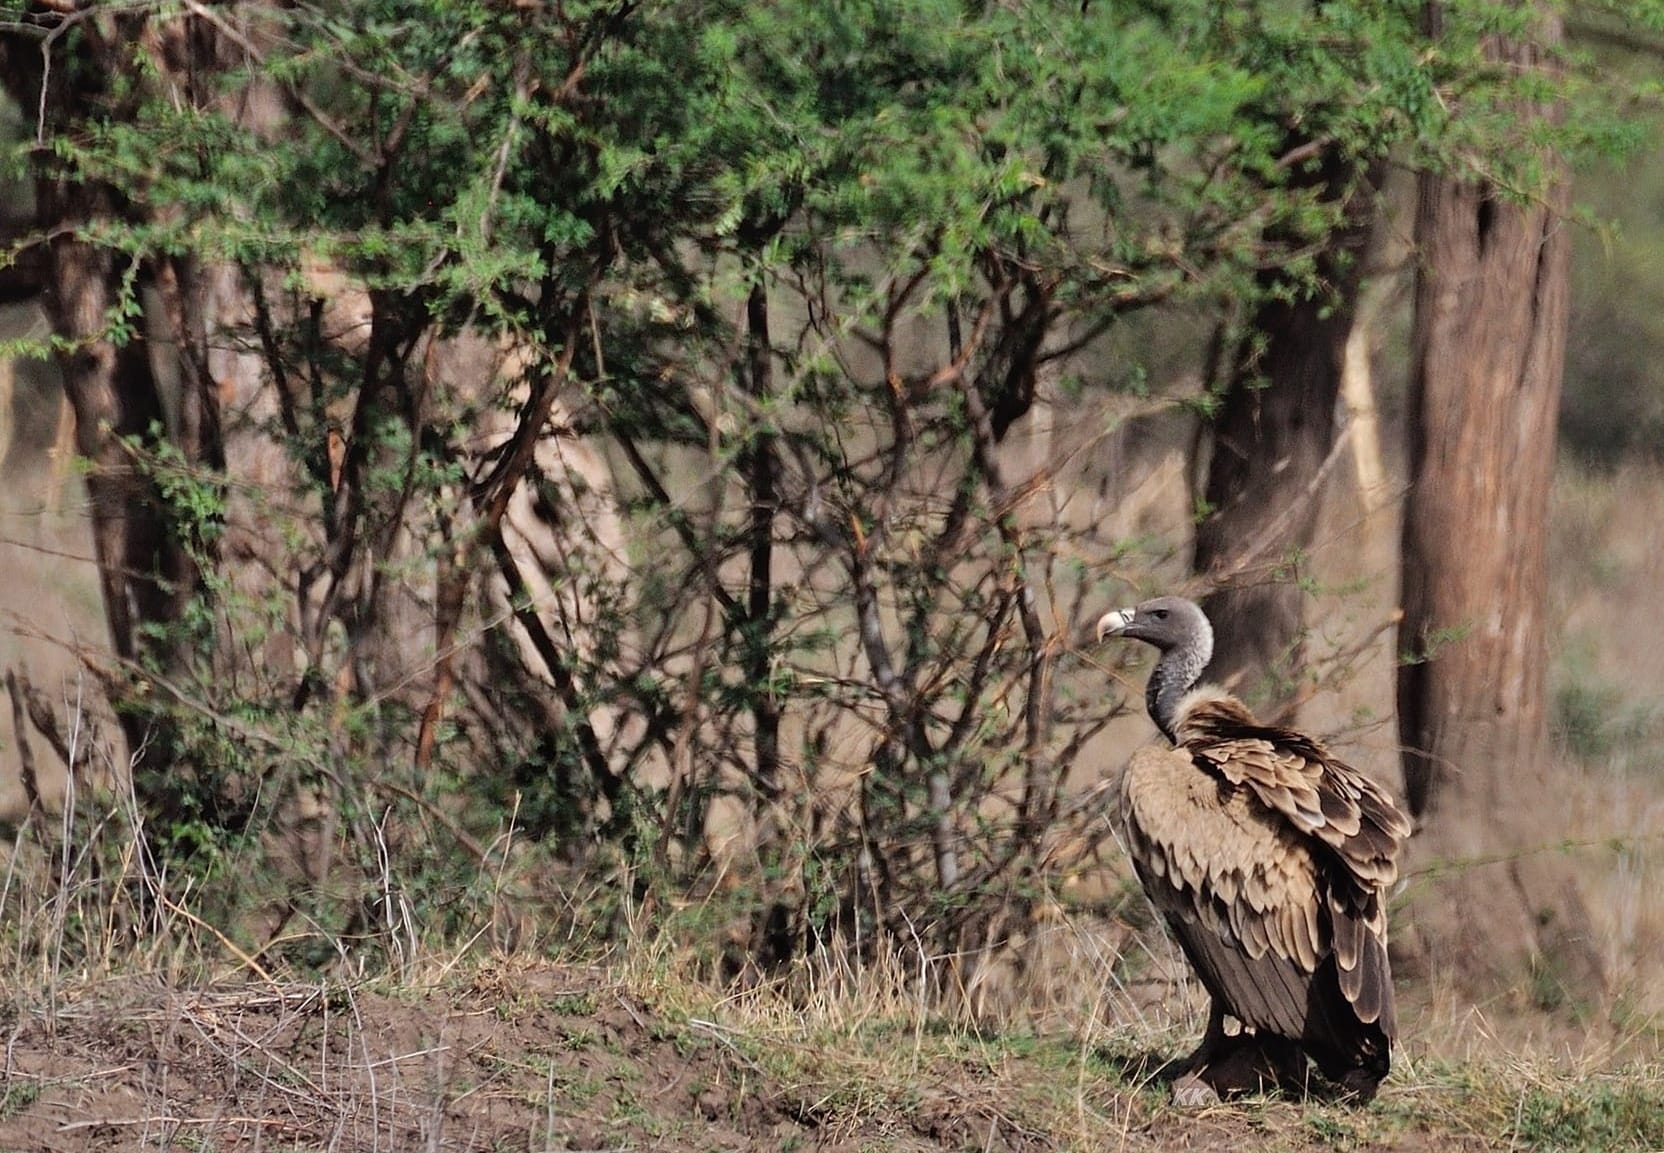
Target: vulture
pixel 1270 860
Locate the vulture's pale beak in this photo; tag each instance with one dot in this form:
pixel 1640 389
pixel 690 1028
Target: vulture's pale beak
pixel 1113 622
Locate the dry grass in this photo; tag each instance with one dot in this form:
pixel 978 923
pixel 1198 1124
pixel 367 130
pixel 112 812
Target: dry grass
pixel 1605 543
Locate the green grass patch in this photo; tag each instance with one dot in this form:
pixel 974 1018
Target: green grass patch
pixel 1613 1114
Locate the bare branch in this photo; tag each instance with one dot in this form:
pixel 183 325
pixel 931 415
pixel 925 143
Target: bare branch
pixel 324 120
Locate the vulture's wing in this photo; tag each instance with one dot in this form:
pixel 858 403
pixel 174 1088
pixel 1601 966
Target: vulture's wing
pixel 1349 826
pixel 1237 884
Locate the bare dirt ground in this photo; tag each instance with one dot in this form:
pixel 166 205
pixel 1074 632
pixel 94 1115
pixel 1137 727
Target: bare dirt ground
pixel 558 1057
pixel 555 1060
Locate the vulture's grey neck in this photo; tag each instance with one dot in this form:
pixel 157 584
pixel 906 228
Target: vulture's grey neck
pixel 1175 674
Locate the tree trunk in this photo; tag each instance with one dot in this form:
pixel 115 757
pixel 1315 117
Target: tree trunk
pixel 1487 357
pixel 1272 445
pixel 142 568
pixel 148 575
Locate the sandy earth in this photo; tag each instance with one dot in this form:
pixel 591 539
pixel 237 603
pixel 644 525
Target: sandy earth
pixel 565 1058
pixel 552 1060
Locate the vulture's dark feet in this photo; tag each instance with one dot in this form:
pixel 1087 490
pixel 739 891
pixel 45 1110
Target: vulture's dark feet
pixel 1357 1086
pixel 1238 1066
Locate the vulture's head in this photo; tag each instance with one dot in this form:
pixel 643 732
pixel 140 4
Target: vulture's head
pixel 1168 623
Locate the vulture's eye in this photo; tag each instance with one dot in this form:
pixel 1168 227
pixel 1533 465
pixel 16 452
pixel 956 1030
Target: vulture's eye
pixel 1160 614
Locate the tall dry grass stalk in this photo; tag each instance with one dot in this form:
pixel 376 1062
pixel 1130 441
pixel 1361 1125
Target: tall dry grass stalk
pixel 84 899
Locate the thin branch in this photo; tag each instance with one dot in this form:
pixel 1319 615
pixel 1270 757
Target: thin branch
pixel 679 522
pixel 25 751
pixel 1277 527
pixel 327 122
pixel 491 495
pixel 566 686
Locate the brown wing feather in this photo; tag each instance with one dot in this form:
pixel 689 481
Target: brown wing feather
pixel 1350 825
pixel 1266 994
pixel 1239 889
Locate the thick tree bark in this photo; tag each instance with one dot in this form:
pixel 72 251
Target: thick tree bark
pixel 1272 443
pixel 1487 358
pixel 143 570
pixel 147 554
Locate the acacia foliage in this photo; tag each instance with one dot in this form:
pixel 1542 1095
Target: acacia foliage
pixel 598 408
